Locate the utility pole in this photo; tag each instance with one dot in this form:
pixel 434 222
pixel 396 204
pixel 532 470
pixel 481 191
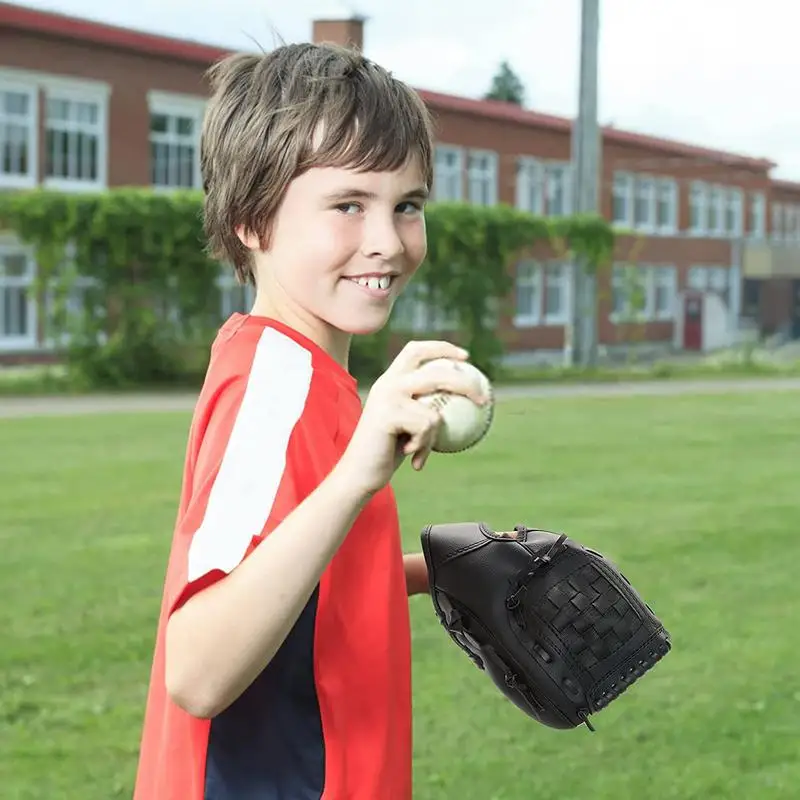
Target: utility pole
pixel 586 169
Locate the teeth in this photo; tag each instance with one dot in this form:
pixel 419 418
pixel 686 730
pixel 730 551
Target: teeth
pixel 384 282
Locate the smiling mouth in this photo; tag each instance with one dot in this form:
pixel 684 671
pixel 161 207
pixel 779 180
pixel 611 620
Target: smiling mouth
pixel 374 282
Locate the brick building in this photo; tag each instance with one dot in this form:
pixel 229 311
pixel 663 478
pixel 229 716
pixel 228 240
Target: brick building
pixel 86 106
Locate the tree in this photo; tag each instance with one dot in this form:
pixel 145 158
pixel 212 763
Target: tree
pixel 506 86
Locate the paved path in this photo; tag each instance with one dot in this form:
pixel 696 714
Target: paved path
pixel 102 404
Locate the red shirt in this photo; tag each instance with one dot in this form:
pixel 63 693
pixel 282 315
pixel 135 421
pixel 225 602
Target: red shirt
pixel 330 716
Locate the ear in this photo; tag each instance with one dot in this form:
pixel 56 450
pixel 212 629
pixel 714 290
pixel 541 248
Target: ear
pixel 249 239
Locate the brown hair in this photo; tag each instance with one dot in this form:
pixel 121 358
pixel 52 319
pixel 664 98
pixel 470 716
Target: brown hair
pixel 273 116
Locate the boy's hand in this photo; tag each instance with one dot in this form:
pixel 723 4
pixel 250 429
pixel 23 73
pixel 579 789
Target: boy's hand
pixel 394 424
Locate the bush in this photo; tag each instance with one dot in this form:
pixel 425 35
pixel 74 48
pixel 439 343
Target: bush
pixel 150 295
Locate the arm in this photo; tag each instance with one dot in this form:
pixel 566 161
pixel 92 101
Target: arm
pixel 214 651
pixel 416 574
pixel 225 634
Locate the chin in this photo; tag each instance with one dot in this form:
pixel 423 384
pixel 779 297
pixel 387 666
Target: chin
pixel 363 324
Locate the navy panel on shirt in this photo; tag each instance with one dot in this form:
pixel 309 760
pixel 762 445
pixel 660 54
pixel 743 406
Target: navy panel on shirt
pixel 268 744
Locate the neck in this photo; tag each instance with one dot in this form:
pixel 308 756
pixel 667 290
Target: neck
pixel 334 342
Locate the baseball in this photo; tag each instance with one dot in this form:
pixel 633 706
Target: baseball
pixel 464 423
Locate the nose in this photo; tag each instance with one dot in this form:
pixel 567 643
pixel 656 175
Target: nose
pixel 381 238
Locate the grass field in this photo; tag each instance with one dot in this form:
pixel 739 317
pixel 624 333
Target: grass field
pixel 696 498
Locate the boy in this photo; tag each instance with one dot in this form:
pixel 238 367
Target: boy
pixel 282 659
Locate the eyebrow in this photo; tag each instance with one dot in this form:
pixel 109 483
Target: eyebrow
pixel 418 193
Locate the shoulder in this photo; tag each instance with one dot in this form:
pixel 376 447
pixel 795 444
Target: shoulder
pixel 263 386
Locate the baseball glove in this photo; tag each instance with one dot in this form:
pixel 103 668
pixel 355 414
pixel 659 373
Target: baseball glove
pixel 557 627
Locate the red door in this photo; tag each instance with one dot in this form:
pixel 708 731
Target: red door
pixel 693 322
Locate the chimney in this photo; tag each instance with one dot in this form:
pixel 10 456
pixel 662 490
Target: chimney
pixel 342 27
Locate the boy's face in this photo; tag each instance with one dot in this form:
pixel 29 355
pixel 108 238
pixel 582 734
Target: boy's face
pixel 342 247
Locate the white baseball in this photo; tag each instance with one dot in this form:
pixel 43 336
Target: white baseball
pixel 464 423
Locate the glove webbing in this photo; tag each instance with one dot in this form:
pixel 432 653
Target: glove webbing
pixel 513 600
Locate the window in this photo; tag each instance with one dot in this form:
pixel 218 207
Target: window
pixel 75 139
pixel 528 291
pixel 666 205
pixel 416 312
pixel 17 303
pixel 665 289
pixel 792 223
pixel 558 189
pixel 530 185
pixel 482 178
pixel 448 182
pixel 542 293
pixel 777 221
pixel 622 202
pixel 175 123
pixel 734 211
pixel 644 204
pixel 233 296
pixel 758 215
pixel 710 279
pixel 642 293
pixel 716 211
pixel 628 297
pixel 175 146
pixel 556 293
pixel 718 279
pixel 18 135
pixel 698 209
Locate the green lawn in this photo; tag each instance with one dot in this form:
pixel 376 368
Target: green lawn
pixel 696 498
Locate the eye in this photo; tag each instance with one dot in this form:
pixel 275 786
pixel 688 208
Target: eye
pixel 349 208
pixel 409 207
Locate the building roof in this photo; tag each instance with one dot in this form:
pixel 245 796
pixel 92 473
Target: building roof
pixel 786 186
pixel 509 112
pixel 61 25
pixel 48 22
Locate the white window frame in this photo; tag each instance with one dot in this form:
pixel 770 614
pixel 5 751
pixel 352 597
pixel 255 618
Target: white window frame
pixel 415 313
pixel 758 216
pixel 664 276
pixel 717 201
pixel 644 192
pixel 530 185
pixel 623 193
pixel 559 274
pixel 651 277
pixel 82 93
pixel 529 276
pixel 792 213
pixel 30 89
pixel 625 316
pixel 717 278
pixel 177 105
pixel 228 287
pixel 777 222
pixel 555 171
pixel 78 285
pixel 482 177
pixel 698 203
pixel 733 203
pixel 445 174
pixel 30 341
pixel 666 192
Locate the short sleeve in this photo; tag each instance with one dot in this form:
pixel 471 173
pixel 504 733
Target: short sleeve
pixel 251 466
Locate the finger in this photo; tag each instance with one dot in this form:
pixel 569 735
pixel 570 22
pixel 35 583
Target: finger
pixel 417 352
pixel 418 424
pixel 444 377
pixel 420 458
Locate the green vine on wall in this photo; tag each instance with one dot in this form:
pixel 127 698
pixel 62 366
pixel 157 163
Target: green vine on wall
pixel 143 253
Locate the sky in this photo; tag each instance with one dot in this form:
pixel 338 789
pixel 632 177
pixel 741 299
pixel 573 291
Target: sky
pixel 717 73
